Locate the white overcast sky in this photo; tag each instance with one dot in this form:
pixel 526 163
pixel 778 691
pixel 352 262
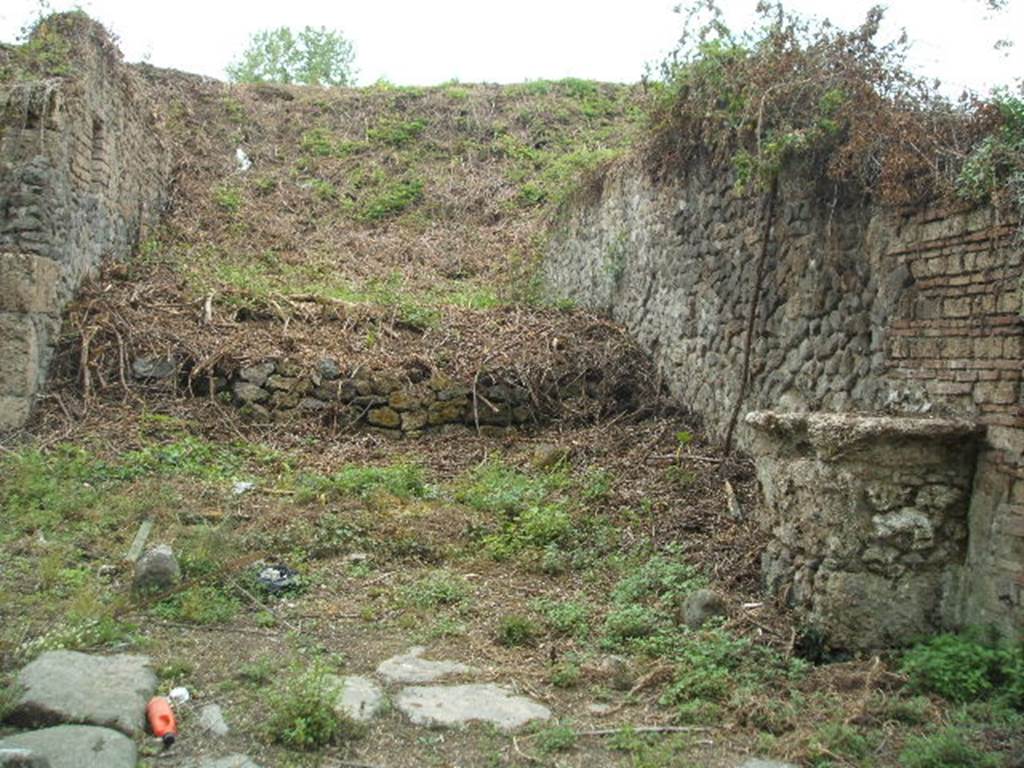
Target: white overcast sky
pixel 422 42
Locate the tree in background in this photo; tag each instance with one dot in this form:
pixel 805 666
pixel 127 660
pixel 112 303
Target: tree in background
pixel 314 56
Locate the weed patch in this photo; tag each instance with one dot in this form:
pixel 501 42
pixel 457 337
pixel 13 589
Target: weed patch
pixel 945 749
pixel 515 630
pixel 199 605
pixel 402 481
pixel 302 713
pixel 439 588
pixel 962 668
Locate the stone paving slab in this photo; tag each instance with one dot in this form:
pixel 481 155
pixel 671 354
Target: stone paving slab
pixel 459 705
pixel 231 761
pixel 77 746
pixel 410 668
pixel 71 687
pixel 211 720
pixel 22 758
pixel 360 697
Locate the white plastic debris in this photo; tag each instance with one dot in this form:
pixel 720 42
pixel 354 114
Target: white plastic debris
pixel 179 695
pixel 244 163
pixel 242 486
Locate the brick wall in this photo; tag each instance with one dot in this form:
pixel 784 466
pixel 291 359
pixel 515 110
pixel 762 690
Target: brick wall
pixel 82 175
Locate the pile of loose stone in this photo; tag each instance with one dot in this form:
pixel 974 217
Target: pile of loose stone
pixel 88 710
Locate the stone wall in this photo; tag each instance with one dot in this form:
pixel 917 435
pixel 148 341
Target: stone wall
pixel 398 402
pixel 862 309
pixel 82 176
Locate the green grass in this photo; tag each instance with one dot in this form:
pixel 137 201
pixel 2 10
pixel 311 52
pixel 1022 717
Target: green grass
pixel 228 198
pixel 402 481
pixel 392 199
pixel 199 605
pixel 396 133
pixel 497 487
pixel 945 749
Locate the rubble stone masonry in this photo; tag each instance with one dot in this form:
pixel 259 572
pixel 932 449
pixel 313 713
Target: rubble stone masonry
pixel 83 174
pixel 863 309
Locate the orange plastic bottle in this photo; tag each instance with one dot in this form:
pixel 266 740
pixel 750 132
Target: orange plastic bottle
pixel 161 720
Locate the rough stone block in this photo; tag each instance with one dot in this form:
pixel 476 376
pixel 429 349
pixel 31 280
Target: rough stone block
pixel 76 746
pixel 71 687
pixel 14 411
pixel 29 283
pixel 19 355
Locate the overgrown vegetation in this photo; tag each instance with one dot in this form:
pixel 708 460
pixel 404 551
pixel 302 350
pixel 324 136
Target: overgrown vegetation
pixel 963 668
pixel 840 102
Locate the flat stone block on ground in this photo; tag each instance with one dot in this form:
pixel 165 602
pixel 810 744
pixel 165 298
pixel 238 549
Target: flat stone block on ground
pixel 360 698
pixel 77 746
pixel 72 687
pixel 410 668
pixel 459 705
pixel 22 758
pixel 231 761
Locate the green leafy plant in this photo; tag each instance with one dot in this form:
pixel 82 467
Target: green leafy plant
pixel 515 630
pixel 228 198
pixel 962 668
pixel 556 738
pixel 839 739
pixel 436 589
pixel 302 713
pixel 566 617
pixel 401 480
pixel 565 674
